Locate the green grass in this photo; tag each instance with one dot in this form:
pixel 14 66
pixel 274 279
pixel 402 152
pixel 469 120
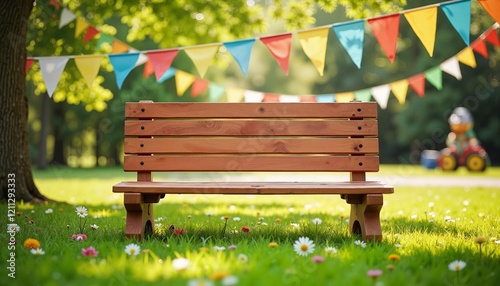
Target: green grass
pixel 413 222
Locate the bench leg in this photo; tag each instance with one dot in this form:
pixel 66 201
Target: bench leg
pixel 140 219
pixel 365 216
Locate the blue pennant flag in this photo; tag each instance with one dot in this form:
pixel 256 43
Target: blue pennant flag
pixel 168 74
pixel 325 98
pixel 458 14
pixel 122 65
pixel 241 50
pixel 215 91
pixel 351 35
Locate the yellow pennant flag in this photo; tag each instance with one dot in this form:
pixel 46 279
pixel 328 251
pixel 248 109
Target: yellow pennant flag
pixel 313 43
pixel 344 97
pixel 88 67
pixel 202 56
pixel 234 94
pixel 183 81
pixel 466 56
pixel 400 89
pixel 81 25
pixel 423 22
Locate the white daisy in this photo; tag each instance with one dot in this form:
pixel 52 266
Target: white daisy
pixel 304 246
pixel 37 251
pixel 180 264
pixel 200 282
pixel 49 211
pixel 236 218
pixel 360 243
pixel 317 221
pixel 81 212
pixel 94 226
pixel 242 258
pixel 230 280
pixel 330 250
pixel 219 248
pixel 132 249
pixel 209 213
pixel 457 265
pixel 11 227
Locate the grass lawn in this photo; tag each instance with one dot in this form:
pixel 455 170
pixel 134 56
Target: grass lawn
pixel 425 229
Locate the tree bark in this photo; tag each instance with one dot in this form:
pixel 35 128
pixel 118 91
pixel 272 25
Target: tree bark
pixel 44 133
pixel 15 165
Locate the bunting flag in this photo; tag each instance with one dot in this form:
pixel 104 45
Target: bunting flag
pixel 66 17
pixel 253 96
pixel 308 98
pixel 314 43
pixel 288 98
pixel 351 35
pixel 423 22
pixel 89 67
pixel 452 67
pixel 104 39
pixel 216 91
pixel 325 98
pixel 363 95
pixel 458 13
pixel 466 56
pixel 386 29
pixel 161 61
pixel 81 25
pixel 400 90
pixel 90 34
pixel 241 50
pixel 381 94
pixel 234 94
pixel 183 81
pixel 143 58
pixel 52 69
pixel 123 65
pixel 344 97
pixel 479 47
pixel 271 97
pixel 167 75
pixel 435 77
pixel 417 83
pixel 492 7
pixel 118 47
pixel 280 47
pixel 492 37
pixel 29 62
pixel 199 85
pixel 202 56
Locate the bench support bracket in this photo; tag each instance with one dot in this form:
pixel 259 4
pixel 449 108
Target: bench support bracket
pixel 140 218
pixel 365 216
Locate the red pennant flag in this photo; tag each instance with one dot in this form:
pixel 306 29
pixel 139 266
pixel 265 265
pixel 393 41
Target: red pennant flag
pixel 386 29
pixel 417 82
pixel 56 4
pixel 308 98
pixel 90 33
pixel 148 69
pixel 271 97
pixel 199 85
pixel 161 61
pixel 29 62
pixel 479 46
pixel 492 37
pixel 279 46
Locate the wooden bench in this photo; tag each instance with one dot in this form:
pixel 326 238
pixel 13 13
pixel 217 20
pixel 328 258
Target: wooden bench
pixel 253 137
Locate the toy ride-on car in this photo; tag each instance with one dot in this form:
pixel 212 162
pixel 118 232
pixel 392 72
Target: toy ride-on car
pixel 474 158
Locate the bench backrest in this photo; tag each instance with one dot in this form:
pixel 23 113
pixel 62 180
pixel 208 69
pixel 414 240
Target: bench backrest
pixel 301 137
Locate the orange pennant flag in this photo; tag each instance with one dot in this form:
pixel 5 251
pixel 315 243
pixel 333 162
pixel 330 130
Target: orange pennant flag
pixel 91 33
pixel 279 46
pixel 386 29
pixel 161 61
pixel 119 47
pixel 202 56
pixel 492 7
pixel 271 97
pixel 199 85
pixel 417 83
pixel 314 45
pixel 423 22
pixel 148 69
pixel 81 26
pixel 479 46
pixel 466 56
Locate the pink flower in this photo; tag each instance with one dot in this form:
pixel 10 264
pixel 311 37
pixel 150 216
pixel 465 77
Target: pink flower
pixel 178 232
pixel 89 251
pixel 374 273
pixel 245 229
pixel 79 236
pixel 318 259
pixel 231 247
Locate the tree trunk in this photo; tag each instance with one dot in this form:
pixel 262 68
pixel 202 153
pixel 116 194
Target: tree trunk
pixel 15 165
pixel 59 158
pixel 44 132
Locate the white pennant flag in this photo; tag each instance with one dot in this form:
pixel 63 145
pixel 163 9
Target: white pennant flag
pixel 452 67
pixel 142 57
pixel 66 17
pixel 253 96
pixel 289 98
pixel 52 69
pixel 381 94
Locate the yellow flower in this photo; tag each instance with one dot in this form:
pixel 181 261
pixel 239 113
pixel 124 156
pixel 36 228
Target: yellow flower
pixel 226 217
pixel 218 276
pixel 31 243
pixel 204 249
pixel 273 244
pixel 394 257
pixel 480 240
pixel 278 220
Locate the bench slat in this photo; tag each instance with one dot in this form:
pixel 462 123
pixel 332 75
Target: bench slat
pixel 256 145
pixel 249 188
pixel 252 163
pixel 251 128
pixel 251 110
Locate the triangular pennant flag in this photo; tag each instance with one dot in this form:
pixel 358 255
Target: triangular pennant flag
pixel 161 61
pixel 386 29
pixel 56 4
pixel 253 96
pixel 417 83
pixel 103 38
pixel 88 67
pixel 29 62
pixel 142 57
pixel 435 77
pixel 81 25
pixel 351 35
pixel 183 81
pixel 325 98
pixel 279 46
pixel 122 65
pixel 381 94
pixel 423 22
pixel 91 33
pixel 479 46
pixel 119 47
pixel 202 56
pixel 199 85
pixel 271 97
pixel 452 67
pixel 215 92
pixel 52 69
pixel 148 69
pixel 168 74
pixel 313 43
pixel 234 94
pixel 308 98
pixel 344 97
pixel 241 51
pixel 288 98
pixel 363 95
pixel 492 37
pixel 492 7
pixel 400 90
pixel 66 17
pixel 466 56
pixel 458 14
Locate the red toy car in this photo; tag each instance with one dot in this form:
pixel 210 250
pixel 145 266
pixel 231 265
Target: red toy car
pixel 474 158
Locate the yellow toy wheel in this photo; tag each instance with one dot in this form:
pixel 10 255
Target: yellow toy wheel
pixel 449 163
pixel 475 163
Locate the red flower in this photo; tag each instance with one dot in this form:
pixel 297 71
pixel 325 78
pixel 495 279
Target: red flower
pixel 245 229
pixel 179 231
